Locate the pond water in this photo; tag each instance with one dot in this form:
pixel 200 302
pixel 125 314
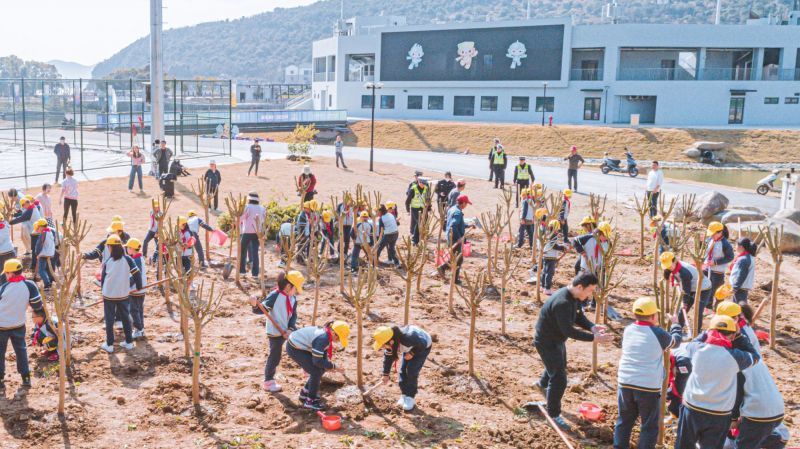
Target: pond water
pixel 732 177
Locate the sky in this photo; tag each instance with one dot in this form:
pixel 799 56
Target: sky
pixel 89 31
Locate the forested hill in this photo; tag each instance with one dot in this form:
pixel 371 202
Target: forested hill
pixel 260 46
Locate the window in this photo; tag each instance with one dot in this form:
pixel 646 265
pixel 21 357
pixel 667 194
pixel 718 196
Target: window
pixel 488 103
pixel 366 101
pixel 387 101
pixel 319 69
pixel 549 104
pixel 668 69
pixel 520 104
pixel 771 100
pixel 414 102
pixel 435 102
pixel 791 100
pixel 463 106
pixel 736 111
pixel 591 108
pixel 590 69
pixel 242 97
pixel 360 67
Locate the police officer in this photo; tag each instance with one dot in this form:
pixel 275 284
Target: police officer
pixel 499 163
pixel 523 176
pixel 416 201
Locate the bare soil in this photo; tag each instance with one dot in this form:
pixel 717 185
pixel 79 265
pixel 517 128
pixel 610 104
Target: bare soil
pixel 665 144
pixel 141 398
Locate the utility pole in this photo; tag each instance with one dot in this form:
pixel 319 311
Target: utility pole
pixel 717 13
pixel 156 72
pixel 527 9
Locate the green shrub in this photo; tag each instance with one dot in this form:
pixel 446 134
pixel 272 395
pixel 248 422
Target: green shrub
pixel 277 214
pixel 224 222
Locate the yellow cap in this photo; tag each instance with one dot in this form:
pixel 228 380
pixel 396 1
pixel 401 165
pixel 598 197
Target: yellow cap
pixel 382 335
pixel 656 219
pixel 24 201
pixel 326 216
pixel 182 221
pixel 314 205
pixel 567 193
pixel 116 226
pixel 40 223
pixel 342 330
pixel 604 228
pixel 723 292
pixel 113 240
pixel 364 214
pixel 645 306
pixel 192 213
pixel 666 258
pixel 554 225
pixel 729 308
pixel 296 278
pixel 116 218
pixel 540 212
pixel 133 244
pixel 714 227
pixel 537 186
pixel 525 192
pixel 722 323
pixel 391 204
pixel 12 266
pixel 587 220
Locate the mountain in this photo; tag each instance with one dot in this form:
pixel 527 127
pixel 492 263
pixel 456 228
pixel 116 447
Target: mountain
pixel 69 69
pixel 260 46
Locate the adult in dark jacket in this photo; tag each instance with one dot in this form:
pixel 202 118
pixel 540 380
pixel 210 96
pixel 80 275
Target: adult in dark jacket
pixel 411 343
pixel 162 156
pixel 499 164
pixel 443 189
pixel 63 157
pixel 255 157
pixel 213 180
pixel 556 323
pixel 456 234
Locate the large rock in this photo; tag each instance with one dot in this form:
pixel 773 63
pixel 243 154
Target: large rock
pixel 710 203
pixel 692 152
pixel 791 232
pixel 710 146
pixel 788 214
pixel 736 215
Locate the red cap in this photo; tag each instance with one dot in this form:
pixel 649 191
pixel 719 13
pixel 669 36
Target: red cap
pixel 464 199
pixel 461 182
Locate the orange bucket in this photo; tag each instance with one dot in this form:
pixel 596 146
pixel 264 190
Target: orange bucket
pixel 330 422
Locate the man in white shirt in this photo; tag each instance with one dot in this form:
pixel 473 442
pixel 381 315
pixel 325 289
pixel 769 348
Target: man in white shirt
pixel 655 179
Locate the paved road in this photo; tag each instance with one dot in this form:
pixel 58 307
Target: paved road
pixel 590 179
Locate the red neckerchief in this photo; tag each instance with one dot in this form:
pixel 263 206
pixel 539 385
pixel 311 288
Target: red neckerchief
pixel 152 220
pixel 671 377
pixel 289 309
pixel 16 278
pixel 642 323
pixel 329 228
pixel 730 267
pixel 597 247
pixel 330 342
pixel 717 339
pixel 137 256
pixel 35 202
pixel 711 249
pixel 2 225
pixel 674 270
pixel 569 203
pixel 741 323
pixel 30 207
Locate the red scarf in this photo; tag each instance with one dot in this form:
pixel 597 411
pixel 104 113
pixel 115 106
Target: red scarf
pixel 16 278
pixel 717 339
pixel 569 203
pixel 2 225
pixel 289 309
pixel 643 323
pixel 711 250
pixel 330 342
pixel 741 323
pixel 671 378
pixel 672 274
pixel 730 267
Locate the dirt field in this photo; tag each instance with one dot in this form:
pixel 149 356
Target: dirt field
pixel 533 140
pixel 141 398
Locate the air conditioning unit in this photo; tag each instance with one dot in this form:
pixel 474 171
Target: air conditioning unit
pixel 638 97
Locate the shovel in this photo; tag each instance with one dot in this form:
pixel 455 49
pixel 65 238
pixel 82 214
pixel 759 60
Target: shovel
pixel 369 390
pixel 266 313
pixel 539 405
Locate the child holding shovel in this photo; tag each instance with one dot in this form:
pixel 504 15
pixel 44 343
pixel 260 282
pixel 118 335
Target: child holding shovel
pixel 414 344
pixel 312 348
pixel 280 307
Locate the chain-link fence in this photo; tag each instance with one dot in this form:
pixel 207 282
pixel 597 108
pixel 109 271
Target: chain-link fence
pixel 102 120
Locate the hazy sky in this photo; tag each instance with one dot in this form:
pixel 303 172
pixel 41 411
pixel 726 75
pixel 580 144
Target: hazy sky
pixel 88 31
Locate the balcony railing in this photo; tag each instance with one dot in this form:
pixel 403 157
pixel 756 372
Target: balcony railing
pixel 778 74
pixel 319 76
pixel 331 76
pixel 586 75
pixel 726 74
pixel 654 74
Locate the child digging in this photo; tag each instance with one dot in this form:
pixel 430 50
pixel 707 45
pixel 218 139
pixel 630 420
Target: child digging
pixel 414 344
pixel 312 348
pixel 118 275
pixel 281 305
pixel 44 335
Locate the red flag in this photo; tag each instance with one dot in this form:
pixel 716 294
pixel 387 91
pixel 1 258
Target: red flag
pixel 133 129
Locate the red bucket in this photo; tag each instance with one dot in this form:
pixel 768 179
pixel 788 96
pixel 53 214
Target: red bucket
pixel 591 411
pixel 467 250
pixel 442 257
pixel 219 238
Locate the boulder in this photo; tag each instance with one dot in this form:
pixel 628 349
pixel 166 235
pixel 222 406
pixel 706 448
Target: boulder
pixel 788 214
pixel 736 215
pixel 791 232
pixel 710 203
pixel 692 152
pixel 710 146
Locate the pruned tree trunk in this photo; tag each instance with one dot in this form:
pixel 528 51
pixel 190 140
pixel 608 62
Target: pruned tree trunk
pixel 198 343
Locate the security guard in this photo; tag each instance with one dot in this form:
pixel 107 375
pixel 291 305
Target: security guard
pixel 499 163
pixel 523 176
pixel 416 200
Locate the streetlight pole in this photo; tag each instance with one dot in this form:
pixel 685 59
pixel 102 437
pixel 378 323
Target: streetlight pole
pixel 372 87
pixel 544 102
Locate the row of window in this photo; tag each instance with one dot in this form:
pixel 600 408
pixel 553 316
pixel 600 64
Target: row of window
pixel 465 105
pixel 777 100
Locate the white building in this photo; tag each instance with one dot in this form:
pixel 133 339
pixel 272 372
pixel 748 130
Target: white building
pixel 670 75
pixel 294 74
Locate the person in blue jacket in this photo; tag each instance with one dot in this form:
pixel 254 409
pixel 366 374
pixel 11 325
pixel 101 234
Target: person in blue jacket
pixel 312 348
pixel 456 233
pixel 281 305
pixel 743 270
pixel 411 343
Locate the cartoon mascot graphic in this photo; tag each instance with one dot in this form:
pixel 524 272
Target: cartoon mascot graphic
pixel 466 51
pixel 415 56
pixel 516 52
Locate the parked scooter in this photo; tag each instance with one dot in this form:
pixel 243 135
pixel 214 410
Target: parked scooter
pixel 767 183
pixel 610 165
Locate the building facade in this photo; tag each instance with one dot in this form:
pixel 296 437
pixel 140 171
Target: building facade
pixel 529 71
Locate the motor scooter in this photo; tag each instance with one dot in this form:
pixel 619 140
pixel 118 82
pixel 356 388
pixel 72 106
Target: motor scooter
pixel 767 183
pixel 610 165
